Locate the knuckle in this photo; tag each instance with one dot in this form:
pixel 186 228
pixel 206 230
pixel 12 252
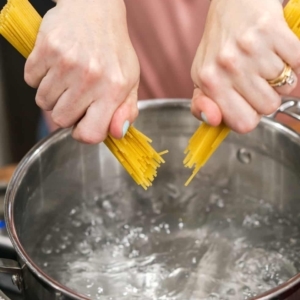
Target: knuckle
pixel 246 125
pixel 228 61
pixel 272 105
pixel 60 120
pixel 118 82
pixel 208 78
pixel 194 72
pixel 68 61
pixel 93 72
pixel 296 59
pixel 247 43
pixel 135 113
pixel 265 23
pixel 53 45
pixel 29 76
pixel 88 136
pixel 42 102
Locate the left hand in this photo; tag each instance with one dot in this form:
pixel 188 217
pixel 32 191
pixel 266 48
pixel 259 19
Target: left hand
pixel 245 43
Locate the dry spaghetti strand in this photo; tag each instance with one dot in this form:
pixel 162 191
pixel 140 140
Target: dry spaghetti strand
pixel 207 139
pixel 19 25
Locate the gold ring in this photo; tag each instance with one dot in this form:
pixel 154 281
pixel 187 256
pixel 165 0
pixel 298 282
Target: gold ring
pixel 286 77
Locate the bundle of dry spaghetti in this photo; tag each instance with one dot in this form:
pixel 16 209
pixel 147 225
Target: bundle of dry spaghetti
pixel 19 25
pixel 202 145
pixel 292 16
pixel 207 139
pixel 137 156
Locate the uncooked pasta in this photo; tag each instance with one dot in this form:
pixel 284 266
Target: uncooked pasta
pixel 202 145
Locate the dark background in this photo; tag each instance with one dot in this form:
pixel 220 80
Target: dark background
pixel 22 113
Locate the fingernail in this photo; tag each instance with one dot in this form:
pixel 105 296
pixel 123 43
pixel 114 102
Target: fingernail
pixel 204 118
pixel 125 127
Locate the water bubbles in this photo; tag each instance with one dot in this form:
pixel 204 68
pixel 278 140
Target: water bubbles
pixel 76 223
pixel 66 236
pixel 251 221
pixel 111 214
pixel 48 237
pixel 47 249
pixel 159 246
pixel 62 246
pixel 84 248
pixel 172 190
pixel 56 228
pixel 157 207
pixel 231 292
pixel 215 200
pixel 143 237
pixel 220 203
pixel 73 212
pixel 89 284
pixel 244 156
pixel 134 253
pixel 106 205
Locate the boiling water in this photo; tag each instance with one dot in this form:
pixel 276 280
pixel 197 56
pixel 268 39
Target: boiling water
pixel 171 243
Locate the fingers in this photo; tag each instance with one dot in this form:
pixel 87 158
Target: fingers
pixel 287 88
pixel 287 46
pixel 205 109
pixel 258 93
pixel 70 108
pixel 237 113
pixel 50 90
pixel 35 68
pixel 93 127
pixel 125 115
pixel 106 116
pixel 230 107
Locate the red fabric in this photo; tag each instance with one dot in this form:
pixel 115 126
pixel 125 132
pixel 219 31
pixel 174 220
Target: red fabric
pixel 166 34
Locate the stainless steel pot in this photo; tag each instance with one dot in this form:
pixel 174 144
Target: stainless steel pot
pixel 262 167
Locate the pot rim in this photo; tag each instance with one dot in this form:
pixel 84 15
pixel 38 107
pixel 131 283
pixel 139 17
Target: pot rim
pixel 24 164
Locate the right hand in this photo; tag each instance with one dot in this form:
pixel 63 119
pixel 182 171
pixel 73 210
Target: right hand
pixel 85 68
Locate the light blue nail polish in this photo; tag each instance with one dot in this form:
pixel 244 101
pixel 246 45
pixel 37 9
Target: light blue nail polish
pixel 125 127
pixel 204 118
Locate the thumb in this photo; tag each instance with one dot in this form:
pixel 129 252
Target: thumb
pixel 205 109
pixel 124 115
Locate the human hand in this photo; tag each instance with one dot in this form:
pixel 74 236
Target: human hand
pixel 85 68
pixel 245 43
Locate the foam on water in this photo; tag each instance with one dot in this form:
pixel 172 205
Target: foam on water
pixel 172 243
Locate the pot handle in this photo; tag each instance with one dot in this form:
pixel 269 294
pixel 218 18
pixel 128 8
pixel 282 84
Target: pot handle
pixel 3 296
pixel 12 269
pixel 290 106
